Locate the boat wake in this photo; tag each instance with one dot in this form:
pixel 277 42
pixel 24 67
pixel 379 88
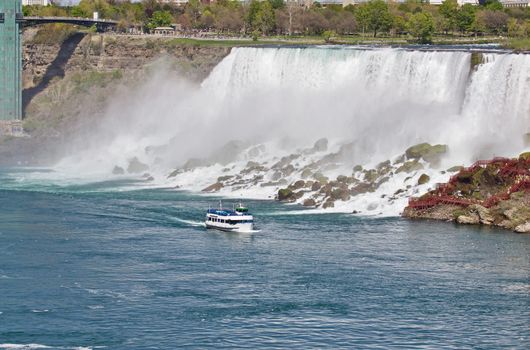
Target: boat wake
pixel 190 222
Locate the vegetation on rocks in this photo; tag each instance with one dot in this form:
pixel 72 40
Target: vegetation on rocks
pixel 495 192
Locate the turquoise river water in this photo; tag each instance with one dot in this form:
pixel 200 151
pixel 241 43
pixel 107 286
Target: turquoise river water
pixel 100 265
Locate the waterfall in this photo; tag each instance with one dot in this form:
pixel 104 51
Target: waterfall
pixel 385 99
pixel 379 101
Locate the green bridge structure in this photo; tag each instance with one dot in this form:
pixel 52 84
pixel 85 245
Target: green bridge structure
pixel 11 23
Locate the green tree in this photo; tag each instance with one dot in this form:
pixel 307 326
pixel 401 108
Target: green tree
pixel 260 16
pixel 449 10
pixel 421 26
pixel 160 19
pixel 465 18
pixel 328 35
pixel 493 5
pixel 277 4
pixel 374 16
pixel 265 19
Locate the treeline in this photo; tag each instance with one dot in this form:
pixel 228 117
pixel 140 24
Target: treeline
pixel 278 17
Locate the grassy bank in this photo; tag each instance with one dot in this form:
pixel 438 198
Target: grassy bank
pixel 519 45
pixel 318 40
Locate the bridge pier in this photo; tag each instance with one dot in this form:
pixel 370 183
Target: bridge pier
pixel 10 67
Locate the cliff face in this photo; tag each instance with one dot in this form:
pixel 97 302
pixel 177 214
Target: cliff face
pixel 495 192
pixel 115 52
pixel 68 85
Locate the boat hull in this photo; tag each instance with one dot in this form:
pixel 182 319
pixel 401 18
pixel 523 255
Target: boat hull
pixel 232 228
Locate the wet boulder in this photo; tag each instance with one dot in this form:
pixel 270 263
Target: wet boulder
pixel 306 173
pixel 340 194
pixel 427 152
pixel 328 204
pixel 423 179
pixel 297 185
pixel 523 228
pixel 316 186
pixel 409 167
pixel 455 169
pixel 285 195
pixel 216 187
pixel 135 166
pixel 524 156
pixel 471 219
pixel 310 202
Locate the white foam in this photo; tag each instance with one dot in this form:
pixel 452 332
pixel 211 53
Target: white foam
pixel 382 100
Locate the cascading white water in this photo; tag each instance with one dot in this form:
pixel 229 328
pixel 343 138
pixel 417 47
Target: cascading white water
pixel 385 99
pixel 382 100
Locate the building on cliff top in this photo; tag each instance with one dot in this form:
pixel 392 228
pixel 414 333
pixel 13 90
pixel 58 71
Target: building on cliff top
pixel 36 2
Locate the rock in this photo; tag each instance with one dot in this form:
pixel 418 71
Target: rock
pixel 276 176
pixel 285 161
pixel 342 178
pixel 118 170
pixel 511 213
pixel 400 191
pixel 357 168
pixel 423 179
pixel 471 219
pixel 524 156
pixel 306 173
pixel 370 175
pixel 274 183
pixel 321 145
pixel 361 188
pixel 340 194
pixel 174 173
pixel 320 178
pixel 253 167
pixel 356 212
pixel 483 213
pixel 409 167
pixel 316 186
pixel 288 170
pixel 297 185
pixel 328 204
pixel 431 154
pixel 523 228
pixel 310 202
pixel 216 187
pixel 455 169
pixel 285 194
pixel 224 178
pixel 135 166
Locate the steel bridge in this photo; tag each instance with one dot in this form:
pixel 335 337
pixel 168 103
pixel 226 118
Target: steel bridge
pixel 11 23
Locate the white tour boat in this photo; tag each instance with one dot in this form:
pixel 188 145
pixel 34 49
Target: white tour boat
pixel 239 219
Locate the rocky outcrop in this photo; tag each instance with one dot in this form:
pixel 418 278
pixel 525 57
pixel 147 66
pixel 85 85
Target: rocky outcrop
pixel 495 192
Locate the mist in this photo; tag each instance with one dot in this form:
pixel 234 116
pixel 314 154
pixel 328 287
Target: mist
pixel 381 100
